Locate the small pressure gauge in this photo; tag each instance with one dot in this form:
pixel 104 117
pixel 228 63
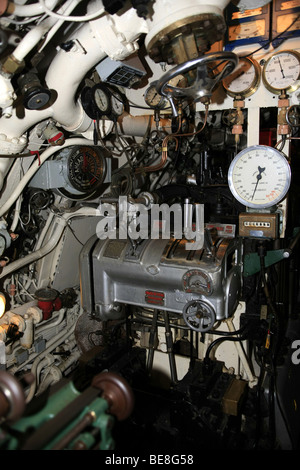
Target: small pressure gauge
pixel 245 79
pixel 117 101
pixel 102 99
pixel 259 177
pixel 153 99
pixel 281 72
pixel 96 101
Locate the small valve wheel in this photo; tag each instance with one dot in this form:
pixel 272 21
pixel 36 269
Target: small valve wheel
pixel 293 115
pixel 199 315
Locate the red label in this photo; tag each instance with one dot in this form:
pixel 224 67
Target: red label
pixel 153 297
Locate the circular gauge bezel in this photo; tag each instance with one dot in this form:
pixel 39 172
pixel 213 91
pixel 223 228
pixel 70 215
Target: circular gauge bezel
pixel 157 101
pixel 261 153
pixel 99 161
pixel 105 108
pixel 250 89
pixel 117 101
pixel 291 87
pixel 205 288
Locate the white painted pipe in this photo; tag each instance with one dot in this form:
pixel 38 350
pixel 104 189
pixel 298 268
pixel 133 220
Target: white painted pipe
pixel 34 9
pixel 34 36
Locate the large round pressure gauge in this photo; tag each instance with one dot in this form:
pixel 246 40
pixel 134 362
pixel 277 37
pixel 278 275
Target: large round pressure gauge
pixel 282 72
pixel 259 177
pixel 86 169
pixel 245 79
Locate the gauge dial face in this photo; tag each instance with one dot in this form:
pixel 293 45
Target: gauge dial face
pixel 246 30
pixel 259 177
pixel 86 169
pixel 102 100
pixel 117 102
pixel 245 79
pixel 282 72
pixel 197 281
pixel 154 99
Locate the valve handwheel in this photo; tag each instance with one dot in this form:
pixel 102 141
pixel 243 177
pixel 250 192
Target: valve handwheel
pixel 199 315
pixel 117 392
pixel 205 80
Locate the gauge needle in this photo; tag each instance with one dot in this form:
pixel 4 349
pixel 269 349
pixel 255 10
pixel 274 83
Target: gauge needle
pixel 85 162
pixel 281 68
pixel 258 178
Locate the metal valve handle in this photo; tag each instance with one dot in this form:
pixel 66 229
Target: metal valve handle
pixel 204 83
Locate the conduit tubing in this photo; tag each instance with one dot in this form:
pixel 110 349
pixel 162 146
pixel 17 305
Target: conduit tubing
pixel 61 223
pixel 34 9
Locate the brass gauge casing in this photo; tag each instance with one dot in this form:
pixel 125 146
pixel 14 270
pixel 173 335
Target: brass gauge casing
pixel 244 80
pixel 153 99
pixel 281 72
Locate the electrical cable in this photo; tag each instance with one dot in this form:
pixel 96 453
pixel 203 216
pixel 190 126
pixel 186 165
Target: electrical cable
pixel 273 39
pixel 80 19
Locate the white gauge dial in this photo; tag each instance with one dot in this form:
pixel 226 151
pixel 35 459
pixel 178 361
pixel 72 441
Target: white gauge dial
pixel 282 72
pixel 259 176
pixel 101 100
pixel 244 80
pixel 117 104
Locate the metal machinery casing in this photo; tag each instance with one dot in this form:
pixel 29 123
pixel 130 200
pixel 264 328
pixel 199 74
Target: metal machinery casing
pixel 159 274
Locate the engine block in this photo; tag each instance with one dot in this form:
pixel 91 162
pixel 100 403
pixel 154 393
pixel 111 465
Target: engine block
pixel 203 284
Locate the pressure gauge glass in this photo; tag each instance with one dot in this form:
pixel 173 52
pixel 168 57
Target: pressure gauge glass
pixel 249 29
pixel 259 176
pixel 101 99
pixel 86 169
pixel 245 79
pixel 282 72
pixel 153 99
pixel 117 101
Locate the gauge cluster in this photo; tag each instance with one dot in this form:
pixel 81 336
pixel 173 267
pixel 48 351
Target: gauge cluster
pixel 103 100
pixel 279 73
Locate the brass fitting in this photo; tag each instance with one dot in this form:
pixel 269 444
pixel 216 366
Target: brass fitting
pixel 11 65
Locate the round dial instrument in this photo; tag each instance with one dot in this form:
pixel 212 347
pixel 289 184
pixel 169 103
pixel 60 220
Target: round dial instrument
pixel 86 169
pixel 96 101
pixel 282 72
pixel 117 103
pixel 153 99
pixel 101 99
pixel 245 79
pixel 197 281
pixel 259 176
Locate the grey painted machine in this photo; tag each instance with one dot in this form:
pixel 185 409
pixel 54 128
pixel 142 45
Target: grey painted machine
pixel 202 285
